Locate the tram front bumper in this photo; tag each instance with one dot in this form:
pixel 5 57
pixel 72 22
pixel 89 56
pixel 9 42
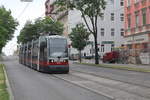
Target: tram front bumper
pixel 56 68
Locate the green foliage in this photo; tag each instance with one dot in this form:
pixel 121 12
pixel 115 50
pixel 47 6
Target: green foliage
pixel 33 30
pixel 91 9
pixel 79 37
pixel 7 26
pixel 51 26
pixel 3 88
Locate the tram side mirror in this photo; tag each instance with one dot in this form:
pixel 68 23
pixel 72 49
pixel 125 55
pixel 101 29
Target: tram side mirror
pixel 59 57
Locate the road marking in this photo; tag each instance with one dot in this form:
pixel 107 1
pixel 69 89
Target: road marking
pixel 107 87
pixel 8 86
pixel 85 87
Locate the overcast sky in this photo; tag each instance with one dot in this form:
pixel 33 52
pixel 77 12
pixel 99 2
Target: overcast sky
pixel 34 10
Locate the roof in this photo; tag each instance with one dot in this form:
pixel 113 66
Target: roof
pixel 55 36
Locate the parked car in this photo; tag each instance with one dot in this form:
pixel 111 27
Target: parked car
pixel 110 57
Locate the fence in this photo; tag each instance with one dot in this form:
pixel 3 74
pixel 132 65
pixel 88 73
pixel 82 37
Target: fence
pixel 134 56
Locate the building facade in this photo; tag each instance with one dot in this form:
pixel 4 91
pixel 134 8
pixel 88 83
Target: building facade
pixel 52 11
pixel 110 27
pixel 137 26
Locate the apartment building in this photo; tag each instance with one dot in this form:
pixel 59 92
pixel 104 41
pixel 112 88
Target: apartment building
pixel 52 11
pixel 110 28
pixel 137 23
pixel 137 30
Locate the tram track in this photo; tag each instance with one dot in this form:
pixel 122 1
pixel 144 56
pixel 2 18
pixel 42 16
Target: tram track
pixel 121 82
pixel 86 84
pixel 84 87
pixel 102 76
pixel 105 86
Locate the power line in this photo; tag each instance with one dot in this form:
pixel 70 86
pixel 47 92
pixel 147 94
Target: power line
pixel 23 10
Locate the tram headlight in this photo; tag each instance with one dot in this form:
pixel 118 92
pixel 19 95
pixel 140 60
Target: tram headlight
pixel 51 60
pixel 66 60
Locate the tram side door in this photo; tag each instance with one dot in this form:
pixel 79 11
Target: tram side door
pixel 43 53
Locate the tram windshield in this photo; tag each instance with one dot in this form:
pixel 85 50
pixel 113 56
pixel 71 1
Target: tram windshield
pixel 58 48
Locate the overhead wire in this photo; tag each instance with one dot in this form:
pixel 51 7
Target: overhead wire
pixel 22 12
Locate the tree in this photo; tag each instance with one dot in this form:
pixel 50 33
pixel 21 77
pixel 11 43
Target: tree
pixel 33 30
pixel 51 26
pixel 79 37
pixel 90 10
pixel 7 26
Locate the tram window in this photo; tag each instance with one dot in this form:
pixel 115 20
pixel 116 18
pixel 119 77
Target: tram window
pixel 58 47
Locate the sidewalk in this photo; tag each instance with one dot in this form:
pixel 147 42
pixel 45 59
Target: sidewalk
pixel 133 67
pixel 7 95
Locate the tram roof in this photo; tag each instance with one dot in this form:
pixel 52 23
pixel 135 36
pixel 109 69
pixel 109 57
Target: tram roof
pixel 49 37
pixel 55 36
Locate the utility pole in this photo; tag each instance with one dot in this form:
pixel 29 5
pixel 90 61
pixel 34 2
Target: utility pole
pixel 149 49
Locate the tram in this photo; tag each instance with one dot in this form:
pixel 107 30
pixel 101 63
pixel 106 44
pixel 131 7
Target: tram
pixel 46 54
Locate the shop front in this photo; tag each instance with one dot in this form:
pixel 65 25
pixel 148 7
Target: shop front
pixel 139 48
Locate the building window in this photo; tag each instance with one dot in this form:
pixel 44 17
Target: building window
pixel 97 49
pixel 129 20
pixel 112 47
pixel 122 32
pixel 144 16
pixel 112 16
pixel 136 1
pixel 112 31
pixel 136 19
pixel 90 51
pixel 102 16
pixel 129 46
pixel 122 17
pixel 102 31
pixel 128 2
pixel 122 3
pixel 112 1
pixel 145 45
pixel 122 45
pixel 102 48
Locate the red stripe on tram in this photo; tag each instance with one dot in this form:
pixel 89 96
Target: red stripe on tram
pixel 43 63
pixel 52 63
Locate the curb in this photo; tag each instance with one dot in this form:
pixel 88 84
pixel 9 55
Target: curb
pixel 11 97
pixel 121 68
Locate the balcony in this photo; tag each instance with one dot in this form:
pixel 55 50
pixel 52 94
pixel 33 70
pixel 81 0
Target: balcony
pixel 144 28
pixel 136 4
pixel 138 30
pixel 143 2
pixel 128 7
pixel 148 27
pixel 128 32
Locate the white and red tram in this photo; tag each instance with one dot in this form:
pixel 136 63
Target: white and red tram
pixel 46 54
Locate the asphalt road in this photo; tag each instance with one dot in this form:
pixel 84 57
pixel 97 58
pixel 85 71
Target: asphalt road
pixel 28 84
pixel 137 78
